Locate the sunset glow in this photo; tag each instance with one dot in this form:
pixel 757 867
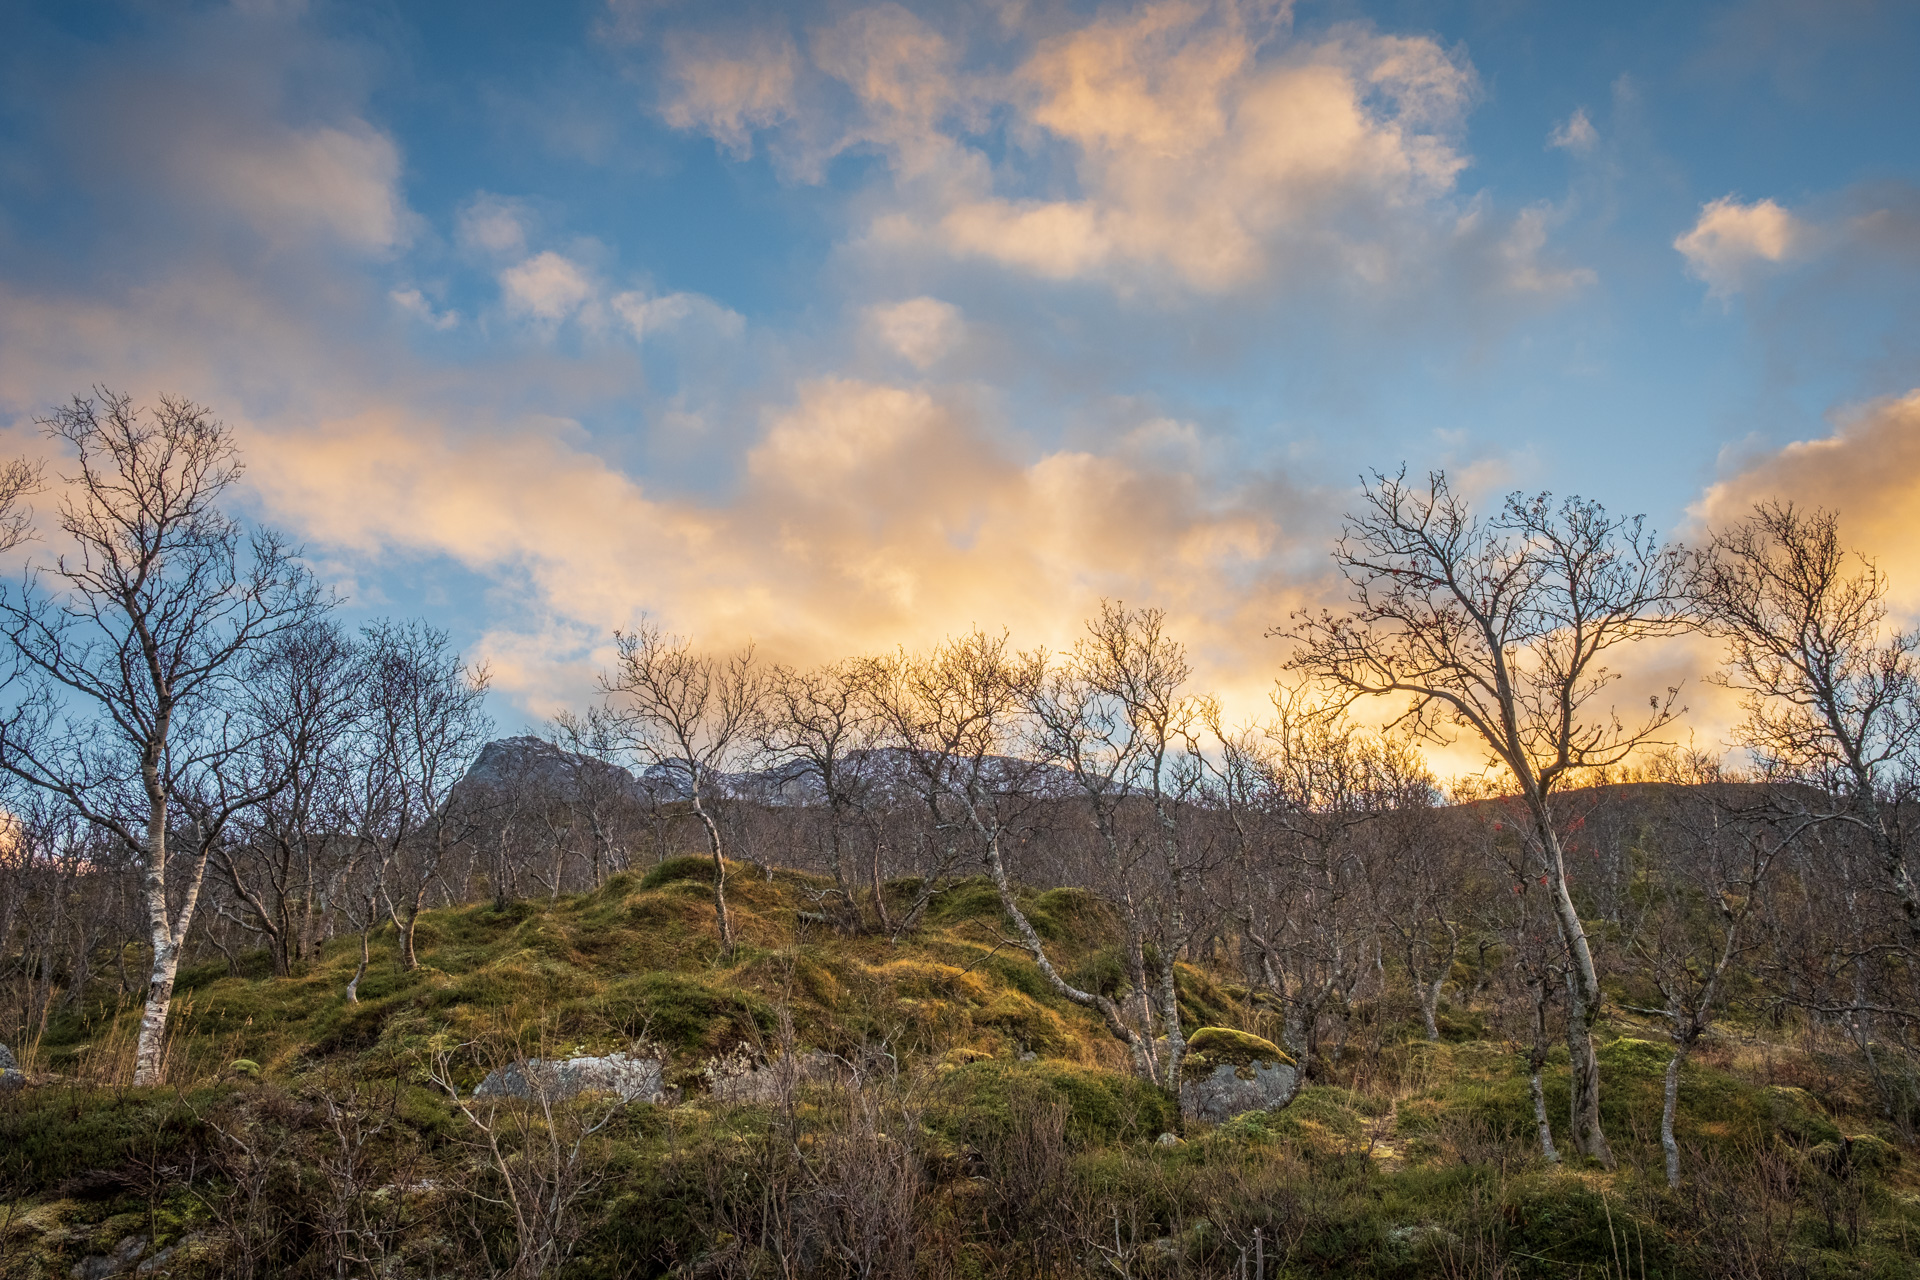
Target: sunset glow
pixel 845 326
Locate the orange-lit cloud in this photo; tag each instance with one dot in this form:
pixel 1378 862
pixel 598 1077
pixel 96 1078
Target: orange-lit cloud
pixel 1868 470
pixel 871 515
pixel 1730 240
pixel 1204 145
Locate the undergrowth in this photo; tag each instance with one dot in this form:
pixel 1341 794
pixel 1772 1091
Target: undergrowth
pixel 974 1124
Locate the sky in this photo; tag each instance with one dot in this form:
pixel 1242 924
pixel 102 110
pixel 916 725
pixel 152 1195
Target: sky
pixel 840 326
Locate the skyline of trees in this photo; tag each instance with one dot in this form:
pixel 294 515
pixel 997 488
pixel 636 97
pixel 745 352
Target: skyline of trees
pixel 253 777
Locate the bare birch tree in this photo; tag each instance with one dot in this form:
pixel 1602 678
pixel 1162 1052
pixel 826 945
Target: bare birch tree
pixel 129 644
pixel 280 873
pixel 1691 931
pixel 821 722
pixel 1077 725
pixel 1129 658
pixel 1324 782
pixel 603 796
pixel 689 713
pixel 957 714
pixel 1499 628
pixel 1831 694
pixel 427 717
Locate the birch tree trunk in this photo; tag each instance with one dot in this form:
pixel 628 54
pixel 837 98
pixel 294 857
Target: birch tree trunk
pixel 719 870
pixel 1667 1143
pixel 1584 1000
pixel 1536 1062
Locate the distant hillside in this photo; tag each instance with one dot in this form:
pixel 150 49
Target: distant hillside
pixel 535 763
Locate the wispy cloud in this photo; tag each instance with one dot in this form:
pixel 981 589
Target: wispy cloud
pixel 1575 134
pixel 1203 145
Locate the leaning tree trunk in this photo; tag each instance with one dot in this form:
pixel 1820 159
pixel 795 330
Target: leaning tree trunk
pixel 366 954
pixel 1429 992
pixel 1170 1017
pixel 1138 1045
pixel 1584 1000
pixel 879 885
pixel 1137 976
pixel 408 959
pixel 719 870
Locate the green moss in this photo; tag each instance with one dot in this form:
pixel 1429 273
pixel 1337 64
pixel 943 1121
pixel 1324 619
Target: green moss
pixel 1070 915
pixel 1252 1128
pixel 50 1135
pixel 1798 1117
pixel 1103 971
pixel 640 957
pixel 684 1013
pixel 974 898
pixel 1101 1105
pixel 1559 1224
pixel 1320 1111
pixel 1850 1156
pixel 1630 1057
pixel 1211 1047
pixel 697 867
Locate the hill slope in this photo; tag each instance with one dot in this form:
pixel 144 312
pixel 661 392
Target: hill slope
pixel 974 1124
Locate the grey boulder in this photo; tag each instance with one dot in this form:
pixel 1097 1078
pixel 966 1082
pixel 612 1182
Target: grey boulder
pixel 1229 1073
pixel 629 1077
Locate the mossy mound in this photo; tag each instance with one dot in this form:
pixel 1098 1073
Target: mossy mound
pixel 1101 1106
pixel 695 867
pixel 1799 1118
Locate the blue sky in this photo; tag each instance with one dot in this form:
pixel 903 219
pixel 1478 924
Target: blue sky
pixel 845 325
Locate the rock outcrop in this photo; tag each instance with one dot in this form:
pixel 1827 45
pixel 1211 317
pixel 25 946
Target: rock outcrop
pixel 537 767
pixel 1228 1073
pixel 11 1077
pixel 631 1077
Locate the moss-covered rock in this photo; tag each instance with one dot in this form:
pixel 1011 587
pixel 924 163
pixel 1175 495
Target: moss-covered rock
pixel 1228 1073
pixel 1850 1156
pixel 1871 1153
pixel 1210 1047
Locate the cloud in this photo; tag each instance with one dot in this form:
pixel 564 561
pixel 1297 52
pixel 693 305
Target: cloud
pixel 730 89
pixel 548 287
pixel 1730 240
pixel 1198 160
pixel 339 181
pixel 824 501
pixel 919 330
pixel 215 123
pixel 1521 251
pixel 1577 134
pixel 1867 469
pixel 1188 143
pixel 867 515
pixel 647 316
pixel 494 225
pixel 415 303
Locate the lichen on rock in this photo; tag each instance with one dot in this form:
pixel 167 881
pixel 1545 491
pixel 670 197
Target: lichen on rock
pixel 632 1078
